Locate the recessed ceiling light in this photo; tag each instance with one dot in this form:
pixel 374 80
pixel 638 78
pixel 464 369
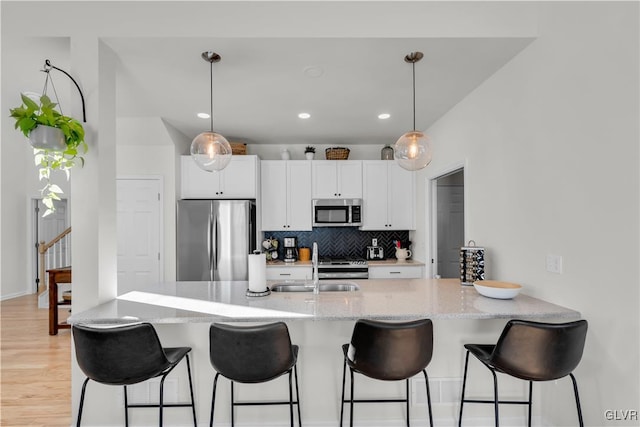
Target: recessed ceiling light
pixel 384 116
pixel 304 115
pixel 204 115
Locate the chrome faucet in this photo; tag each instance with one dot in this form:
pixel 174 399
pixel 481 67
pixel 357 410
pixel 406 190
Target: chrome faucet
pixel 314 261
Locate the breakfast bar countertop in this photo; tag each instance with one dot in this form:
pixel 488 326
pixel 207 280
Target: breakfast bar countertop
pixel 382 299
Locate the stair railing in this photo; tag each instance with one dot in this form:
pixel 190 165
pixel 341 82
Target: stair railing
pixel 55 254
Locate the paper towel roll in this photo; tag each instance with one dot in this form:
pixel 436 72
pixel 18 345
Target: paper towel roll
pixel 257 273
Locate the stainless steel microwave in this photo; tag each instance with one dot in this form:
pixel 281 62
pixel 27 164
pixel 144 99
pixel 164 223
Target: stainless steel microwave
pixel 337 212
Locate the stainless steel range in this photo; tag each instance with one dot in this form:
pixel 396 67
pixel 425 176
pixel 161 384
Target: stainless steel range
pixel 343 268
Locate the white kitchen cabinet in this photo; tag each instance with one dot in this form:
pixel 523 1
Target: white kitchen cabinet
pixel 388 201
pixel 337 179
pixel 237 181
pixel 289 273
pixel 286 195
pixel 395 272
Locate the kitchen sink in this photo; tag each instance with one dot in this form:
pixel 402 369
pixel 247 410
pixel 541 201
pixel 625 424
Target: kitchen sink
pixel 308 287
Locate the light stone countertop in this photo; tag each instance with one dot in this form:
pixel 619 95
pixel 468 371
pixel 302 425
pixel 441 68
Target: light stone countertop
pixel 382 299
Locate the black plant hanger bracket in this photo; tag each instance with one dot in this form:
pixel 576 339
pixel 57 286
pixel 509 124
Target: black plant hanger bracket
pixel 47 68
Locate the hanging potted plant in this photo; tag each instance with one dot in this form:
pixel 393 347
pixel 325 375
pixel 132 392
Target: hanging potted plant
pixel 57 141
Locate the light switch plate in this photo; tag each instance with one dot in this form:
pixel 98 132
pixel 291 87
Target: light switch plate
pixel 554 263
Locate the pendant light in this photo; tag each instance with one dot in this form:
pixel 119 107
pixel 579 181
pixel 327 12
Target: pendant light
pixel 211 151
pixel 413 149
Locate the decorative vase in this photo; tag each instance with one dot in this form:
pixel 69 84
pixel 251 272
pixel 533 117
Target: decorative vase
pixel 48 138
pixel 309 155
pixel 284 154
pixel 386 153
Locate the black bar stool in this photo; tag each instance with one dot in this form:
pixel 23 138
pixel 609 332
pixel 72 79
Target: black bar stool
pixel 388 351
pixel 125 355
pixel 253 354
pixel 532 351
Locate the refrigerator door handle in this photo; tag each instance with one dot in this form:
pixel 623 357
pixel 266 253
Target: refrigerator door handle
pixel 214 246
pixel 209 243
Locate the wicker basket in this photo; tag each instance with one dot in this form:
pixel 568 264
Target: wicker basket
pixel 337 153
pixel 238 148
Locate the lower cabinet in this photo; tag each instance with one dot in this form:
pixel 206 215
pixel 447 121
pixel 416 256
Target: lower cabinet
pixel 395 272
pixel 289 273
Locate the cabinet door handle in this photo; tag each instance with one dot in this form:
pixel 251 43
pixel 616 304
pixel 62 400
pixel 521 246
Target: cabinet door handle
pixel 285 274
pixel 395 272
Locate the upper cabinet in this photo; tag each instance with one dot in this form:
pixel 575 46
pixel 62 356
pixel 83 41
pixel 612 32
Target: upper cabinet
pixel 337 179
pixel 286 195
pixel 237 181
pixel 389 196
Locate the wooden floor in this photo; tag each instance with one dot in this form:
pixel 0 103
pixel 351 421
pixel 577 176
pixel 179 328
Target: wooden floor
pixel 35 381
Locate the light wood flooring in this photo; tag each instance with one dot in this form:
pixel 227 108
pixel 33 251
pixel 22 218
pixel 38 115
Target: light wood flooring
pixel 35 368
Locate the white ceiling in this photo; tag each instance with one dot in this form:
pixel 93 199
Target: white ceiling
pixel 260 85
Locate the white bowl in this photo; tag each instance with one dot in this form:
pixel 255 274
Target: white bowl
pixel 496 289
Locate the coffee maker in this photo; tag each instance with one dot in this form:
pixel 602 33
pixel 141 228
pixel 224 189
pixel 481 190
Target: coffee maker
pixel 290 249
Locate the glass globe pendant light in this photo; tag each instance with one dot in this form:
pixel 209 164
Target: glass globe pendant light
pixel 210 150
pixel 413 149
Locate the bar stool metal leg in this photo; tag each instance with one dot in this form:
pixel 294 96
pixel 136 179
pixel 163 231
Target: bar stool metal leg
pixel 530 405
pixel 407 394
pixel 495 395
pixel 344 377
pixel 464 385
pixel 232 405
pixel 213 398
pixel 193 405
pixel 426 381
pixel 161 398
pixel 351 406
pixel 84 387
pixel 575 392
pixel 290 401
pixel 126 408
pixel 295 372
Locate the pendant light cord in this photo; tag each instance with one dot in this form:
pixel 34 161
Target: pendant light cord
pixel 211 96
pixel 413 66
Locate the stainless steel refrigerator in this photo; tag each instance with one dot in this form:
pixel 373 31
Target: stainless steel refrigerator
pixel 214 238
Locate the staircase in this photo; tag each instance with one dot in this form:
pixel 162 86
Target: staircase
pixel 54 254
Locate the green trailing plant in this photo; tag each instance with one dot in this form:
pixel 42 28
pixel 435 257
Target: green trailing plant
pixel 310 149
pixel 30 115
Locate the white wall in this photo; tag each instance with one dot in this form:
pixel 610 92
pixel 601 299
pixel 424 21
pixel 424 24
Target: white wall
pixel 145 148
pixel 22 60
pixel 551 147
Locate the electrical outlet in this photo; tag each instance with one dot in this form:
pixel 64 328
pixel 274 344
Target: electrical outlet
pixel 554 263
pixel 374 242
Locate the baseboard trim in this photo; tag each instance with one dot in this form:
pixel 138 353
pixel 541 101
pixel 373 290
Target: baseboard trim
pixel 11 296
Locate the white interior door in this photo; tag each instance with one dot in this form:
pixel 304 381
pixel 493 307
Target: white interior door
pixel 139 233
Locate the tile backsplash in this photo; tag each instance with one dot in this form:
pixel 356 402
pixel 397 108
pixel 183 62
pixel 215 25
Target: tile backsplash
pixel 343 241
